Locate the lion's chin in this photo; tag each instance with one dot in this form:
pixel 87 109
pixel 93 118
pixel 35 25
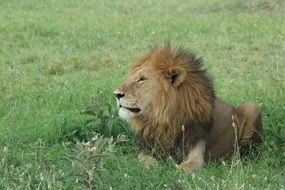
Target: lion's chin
pixel 127 114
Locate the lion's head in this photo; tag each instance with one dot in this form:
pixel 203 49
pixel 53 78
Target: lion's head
pixel 165 89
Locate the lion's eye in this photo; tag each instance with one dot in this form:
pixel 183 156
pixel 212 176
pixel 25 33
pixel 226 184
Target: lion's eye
pixel 141 79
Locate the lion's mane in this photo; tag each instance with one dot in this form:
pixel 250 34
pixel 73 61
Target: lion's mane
pixel 182 114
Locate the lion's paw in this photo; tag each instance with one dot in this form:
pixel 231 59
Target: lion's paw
pixel 188 167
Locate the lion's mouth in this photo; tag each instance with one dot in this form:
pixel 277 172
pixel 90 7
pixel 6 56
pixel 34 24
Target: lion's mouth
pixel 135 110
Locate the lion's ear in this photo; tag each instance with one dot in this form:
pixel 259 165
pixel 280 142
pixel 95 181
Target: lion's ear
pixel 176 76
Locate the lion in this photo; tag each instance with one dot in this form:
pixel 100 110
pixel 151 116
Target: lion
pixel 171 105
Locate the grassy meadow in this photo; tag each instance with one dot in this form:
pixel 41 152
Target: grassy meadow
pixel 61 60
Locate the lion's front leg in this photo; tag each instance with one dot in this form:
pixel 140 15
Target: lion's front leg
pixel 146 159
pixel 195 158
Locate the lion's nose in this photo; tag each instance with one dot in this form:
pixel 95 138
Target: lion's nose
pixel 119 95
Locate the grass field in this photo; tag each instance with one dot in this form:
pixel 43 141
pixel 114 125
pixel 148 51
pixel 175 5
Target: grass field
pixel 61 60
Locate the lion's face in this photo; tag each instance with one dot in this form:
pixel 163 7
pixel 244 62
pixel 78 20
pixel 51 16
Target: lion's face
pixel 136 95
pixel 165 86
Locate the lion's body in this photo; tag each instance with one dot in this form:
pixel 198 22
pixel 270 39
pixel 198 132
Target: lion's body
pixel 171 105
pixel 223 137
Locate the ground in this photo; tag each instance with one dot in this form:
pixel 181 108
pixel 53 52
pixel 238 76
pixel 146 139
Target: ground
pixel 61 60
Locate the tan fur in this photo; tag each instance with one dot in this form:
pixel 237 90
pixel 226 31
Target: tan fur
pixel 194 159
pixel 171 90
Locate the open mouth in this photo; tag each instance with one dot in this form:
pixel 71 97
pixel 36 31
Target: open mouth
pixel 135 110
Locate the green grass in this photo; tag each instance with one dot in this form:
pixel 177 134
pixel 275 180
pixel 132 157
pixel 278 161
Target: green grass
pixel 61 60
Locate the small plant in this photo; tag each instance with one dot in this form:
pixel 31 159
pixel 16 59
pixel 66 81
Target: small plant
pixel 98 117
pixel 87 159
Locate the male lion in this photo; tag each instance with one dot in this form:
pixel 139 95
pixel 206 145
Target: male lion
pixel 171 105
